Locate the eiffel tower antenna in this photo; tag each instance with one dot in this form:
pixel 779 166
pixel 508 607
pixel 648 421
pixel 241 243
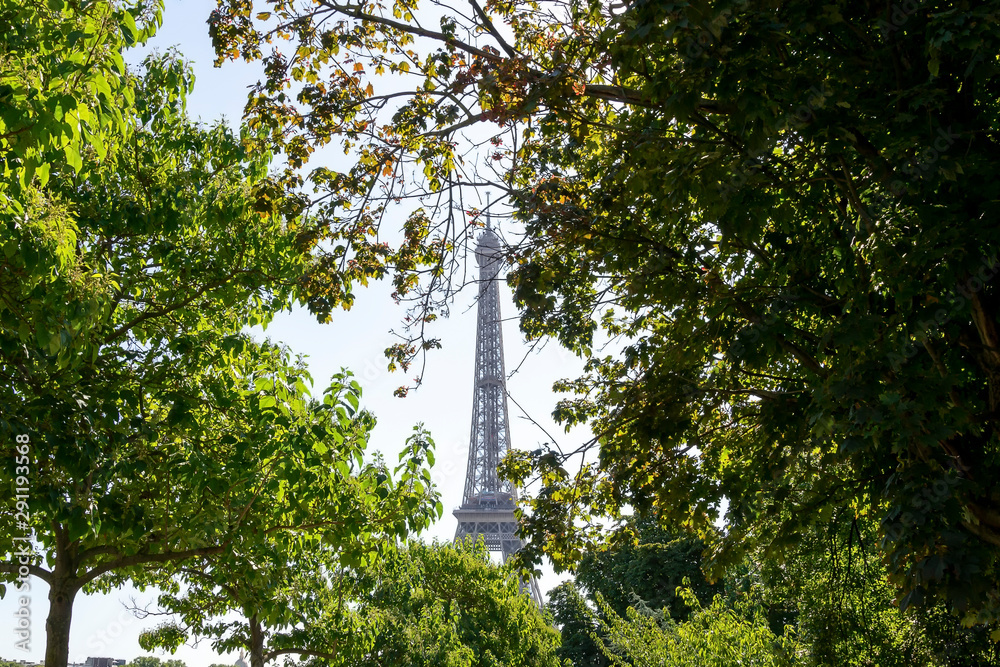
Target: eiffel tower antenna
pixel 488 503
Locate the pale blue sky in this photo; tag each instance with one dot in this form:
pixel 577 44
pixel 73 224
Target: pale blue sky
pixel 355 340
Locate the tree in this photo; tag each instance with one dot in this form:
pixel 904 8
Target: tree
pixel 578 625
pixel 829 592
pixel 146 428
pixel 290 593
pixel 324 83
pixel 715 636
pixel 808 322
pixel 647 571
pixel 793 241
pixel 832 590
pixel 63 83
pixel 153 661
pixel 641 571
pixel 449 605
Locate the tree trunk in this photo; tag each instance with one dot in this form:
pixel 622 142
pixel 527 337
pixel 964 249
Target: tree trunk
pixel 256 643
pixel 61 594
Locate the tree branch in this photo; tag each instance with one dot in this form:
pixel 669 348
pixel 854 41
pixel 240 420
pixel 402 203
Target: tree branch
pixel 34 570
pixel 493 31
pixel 412 30
pixel 146 559
pixel 123 329
pixel 87 554
pixel 472 120
pixel 271 655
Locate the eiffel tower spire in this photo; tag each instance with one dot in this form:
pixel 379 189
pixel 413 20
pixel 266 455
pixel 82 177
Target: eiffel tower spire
pixel 488 503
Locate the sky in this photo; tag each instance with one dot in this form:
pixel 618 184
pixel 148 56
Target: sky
pixel 355 340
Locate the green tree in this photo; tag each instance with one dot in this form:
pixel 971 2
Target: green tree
pixel 831 588
pixel 577 623
pixel 642 569
pixel 145 661
pixel 396 95
pixel 954 645
pixel 290 592
pixel 146 428
pixel 793 267
pixel 718 635
pixel 449 605
pixel 785 213
pixel 64 84
pixel 153 661
pixel 646 567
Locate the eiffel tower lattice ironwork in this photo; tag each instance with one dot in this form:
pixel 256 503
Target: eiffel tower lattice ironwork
pixel 488 504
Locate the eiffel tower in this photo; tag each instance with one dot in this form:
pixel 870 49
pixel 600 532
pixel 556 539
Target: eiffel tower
pixel 488 504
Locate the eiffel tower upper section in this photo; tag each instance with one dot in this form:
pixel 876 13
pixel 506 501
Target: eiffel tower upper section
pixel 488 503
pixel 490 439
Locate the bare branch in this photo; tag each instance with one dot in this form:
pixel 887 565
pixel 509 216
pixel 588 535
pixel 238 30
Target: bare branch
pixel 356 13
pixel 511 51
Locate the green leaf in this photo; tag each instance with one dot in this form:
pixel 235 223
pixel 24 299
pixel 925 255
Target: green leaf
pixel 129 29
pixel 73 158
pixel 43 174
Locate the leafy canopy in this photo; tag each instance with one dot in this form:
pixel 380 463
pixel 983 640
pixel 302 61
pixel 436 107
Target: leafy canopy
pixel 783 212
pixel 65 88
pixel 157 431
pixel 715 636
pixel 449 605
pixel 293 593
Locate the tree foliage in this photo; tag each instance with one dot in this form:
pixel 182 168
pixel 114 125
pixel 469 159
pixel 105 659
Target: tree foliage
pixel 829 592
pixel 153 661
pixel 578 626
pixel 643 572
pixel 808 318
pixel 292 594
pixel 396 95
pixel 148 428
pixel 647 571
pixel 784 213
pixel 718 635
pixel 449 605
pixel 65 88
pixel 831 588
